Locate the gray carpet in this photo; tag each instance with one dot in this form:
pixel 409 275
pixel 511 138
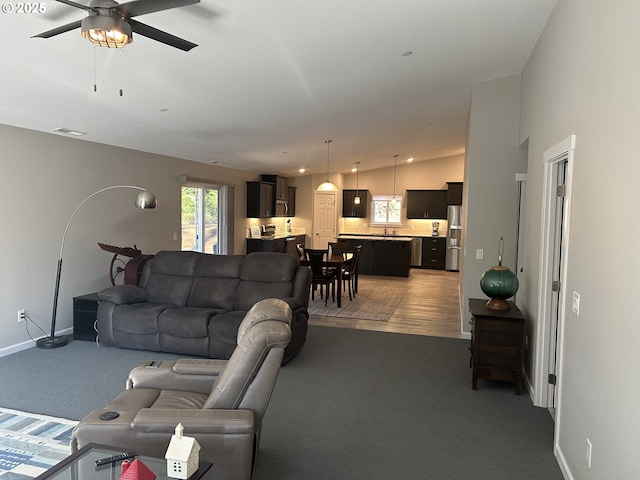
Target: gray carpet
pixel 352 405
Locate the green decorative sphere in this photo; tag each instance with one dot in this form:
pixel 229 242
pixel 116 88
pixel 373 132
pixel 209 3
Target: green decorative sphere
pixel 499 283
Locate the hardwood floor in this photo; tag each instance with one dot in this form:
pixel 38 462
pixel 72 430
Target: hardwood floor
pixel 431 306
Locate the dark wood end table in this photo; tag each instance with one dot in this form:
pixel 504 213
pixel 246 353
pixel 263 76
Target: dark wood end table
pixel 497 343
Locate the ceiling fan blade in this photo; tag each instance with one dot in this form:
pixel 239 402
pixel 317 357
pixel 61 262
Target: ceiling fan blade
pixel 59 30
pixel 160 36
pixel 142 7
pixel 77 5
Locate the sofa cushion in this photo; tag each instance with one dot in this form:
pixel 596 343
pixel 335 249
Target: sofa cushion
pixel 265 275
pixel 138 317
pixel 186 322
pixel 121 294
pixel 216 281
pixel 170 277
pixel 223 333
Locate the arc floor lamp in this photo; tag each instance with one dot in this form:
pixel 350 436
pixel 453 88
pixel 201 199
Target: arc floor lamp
pixel 144 199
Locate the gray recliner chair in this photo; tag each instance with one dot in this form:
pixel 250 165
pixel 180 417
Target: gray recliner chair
pixel 219 402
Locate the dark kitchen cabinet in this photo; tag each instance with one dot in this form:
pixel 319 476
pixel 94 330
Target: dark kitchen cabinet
pixel 260 202
pixel 277 245
pixel 454 193
pixel 291 201
pixel 434 252
pixel 391 257
pixel 281 184
pixel 350 209
pixel 382 257
pixel 280 194
pixel 427 204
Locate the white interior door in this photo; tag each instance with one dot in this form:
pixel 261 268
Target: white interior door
pixel 324 219
pixel 555 313
pixel 521 180
pixel 556 213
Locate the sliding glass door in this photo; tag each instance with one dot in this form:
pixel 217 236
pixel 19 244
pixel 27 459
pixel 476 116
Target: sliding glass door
pixel 202 219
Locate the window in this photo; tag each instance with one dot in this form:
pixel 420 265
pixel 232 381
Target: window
pixel 386 210
pixel 202 219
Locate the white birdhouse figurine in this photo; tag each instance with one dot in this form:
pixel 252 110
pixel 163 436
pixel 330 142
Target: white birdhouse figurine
pixel 183 455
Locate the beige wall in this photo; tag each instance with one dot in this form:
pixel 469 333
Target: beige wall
pixel 45 176
pixel 490 205
pixel 426 175
pixel 582 79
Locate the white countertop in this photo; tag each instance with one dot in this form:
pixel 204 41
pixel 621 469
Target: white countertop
pixel 376 237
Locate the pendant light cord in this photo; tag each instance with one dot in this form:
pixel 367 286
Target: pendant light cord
pixel 328 142
pixel 395 166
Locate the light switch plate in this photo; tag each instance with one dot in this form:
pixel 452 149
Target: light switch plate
pixel 576 303
pixel 479 254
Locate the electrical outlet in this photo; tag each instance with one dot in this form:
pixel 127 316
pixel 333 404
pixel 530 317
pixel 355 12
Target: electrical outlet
pixel 588 453
pixel 21 316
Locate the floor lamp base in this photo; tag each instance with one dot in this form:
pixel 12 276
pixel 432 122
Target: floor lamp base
pixel 53 342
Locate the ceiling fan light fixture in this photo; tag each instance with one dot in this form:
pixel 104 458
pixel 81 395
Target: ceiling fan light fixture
pixel 106 31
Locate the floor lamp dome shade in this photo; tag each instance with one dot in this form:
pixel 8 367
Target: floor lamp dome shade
pixel 144 199
pixel 327 186
pixel 499 283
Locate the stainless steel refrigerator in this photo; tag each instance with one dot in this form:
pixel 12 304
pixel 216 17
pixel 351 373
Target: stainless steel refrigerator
pixel 454 235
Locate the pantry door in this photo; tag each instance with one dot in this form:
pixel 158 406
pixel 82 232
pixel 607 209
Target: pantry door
pixel 324 219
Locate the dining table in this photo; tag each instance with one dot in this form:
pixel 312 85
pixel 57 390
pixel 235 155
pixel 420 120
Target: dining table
pixel 339 262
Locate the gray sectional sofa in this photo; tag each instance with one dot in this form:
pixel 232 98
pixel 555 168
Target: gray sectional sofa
pixel 192 303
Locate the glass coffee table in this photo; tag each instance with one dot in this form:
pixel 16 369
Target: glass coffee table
pixel 81 465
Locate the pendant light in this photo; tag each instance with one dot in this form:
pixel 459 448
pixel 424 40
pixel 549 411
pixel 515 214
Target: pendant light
pixel 356 199
pixel 327 186
pixel 395 167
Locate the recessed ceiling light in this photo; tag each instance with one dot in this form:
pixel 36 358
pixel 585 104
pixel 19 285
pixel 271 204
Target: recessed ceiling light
pixel 68 131
pixel 215 162
pixel 410 159
pixel 302 170
pixel 407 53
pixel 354 169
pixel 164 109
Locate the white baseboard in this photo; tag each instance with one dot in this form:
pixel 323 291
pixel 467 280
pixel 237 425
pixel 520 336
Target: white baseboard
pixel 18 347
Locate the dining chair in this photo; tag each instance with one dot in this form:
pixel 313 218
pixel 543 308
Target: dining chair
pixel 300 251
pixel 338 248
pixel 321 275
pixel 350 272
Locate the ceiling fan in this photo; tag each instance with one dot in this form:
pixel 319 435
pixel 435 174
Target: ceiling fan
pixel 110 24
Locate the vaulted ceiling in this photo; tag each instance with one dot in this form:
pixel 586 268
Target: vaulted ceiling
pixel 271 80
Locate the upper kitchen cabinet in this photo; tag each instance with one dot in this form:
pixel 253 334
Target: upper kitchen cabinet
pixel 349 208
pixel 260 203
pixel 291 201
pixel 454 193
pixel 281 192
pixel 430 204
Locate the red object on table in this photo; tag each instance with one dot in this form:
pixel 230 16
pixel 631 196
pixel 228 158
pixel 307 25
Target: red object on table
pixel 136 471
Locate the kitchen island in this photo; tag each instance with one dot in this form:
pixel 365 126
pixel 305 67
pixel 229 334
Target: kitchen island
pixel 275 243
pixel 381 255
